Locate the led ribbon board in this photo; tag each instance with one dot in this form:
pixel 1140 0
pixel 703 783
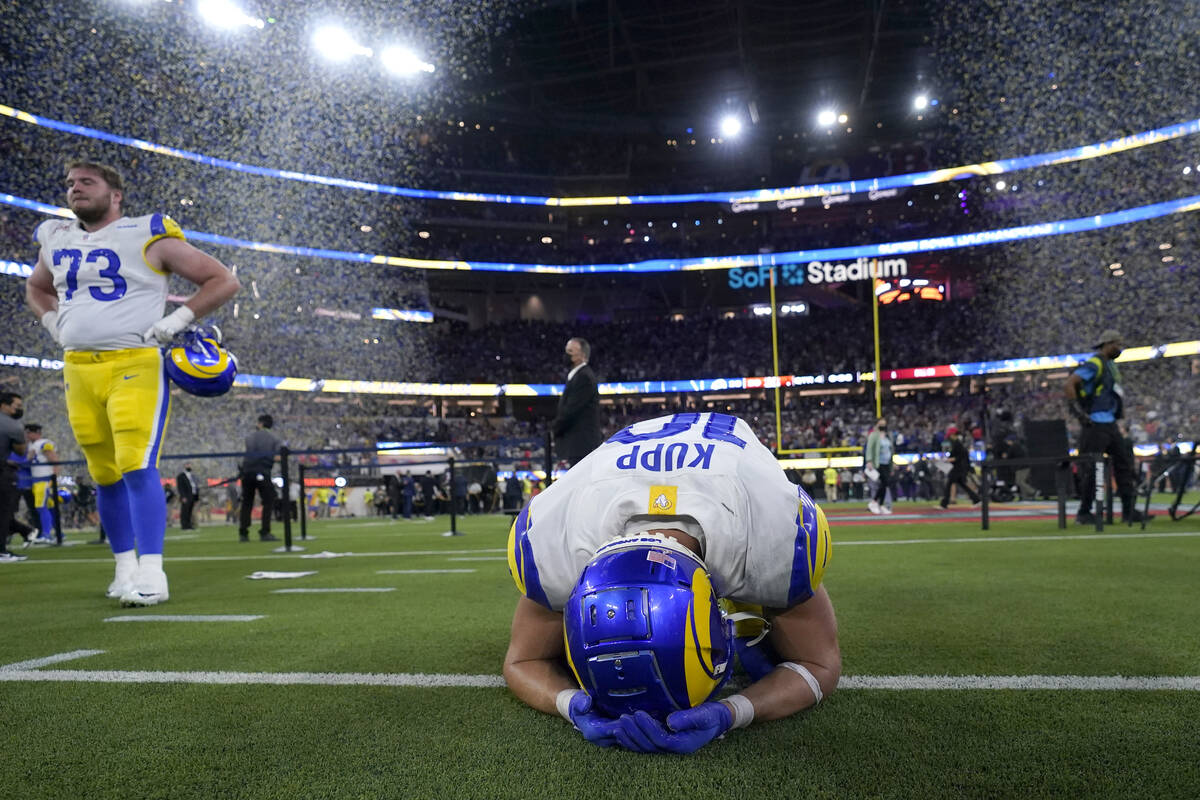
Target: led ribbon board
pixel 1066 361
pixel 1059 228
pixel 1097 150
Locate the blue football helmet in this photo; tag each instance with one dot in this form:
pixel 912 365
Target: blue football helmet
pixel 198 363
pixel 644 630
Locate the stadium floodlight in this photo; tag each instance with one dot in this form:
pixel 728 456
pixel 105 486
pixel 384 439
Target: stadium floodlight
pixel 826 117
pixel 336 44
pixel 921 102
pixel 402 61
pixel 731 126
pixel 225 15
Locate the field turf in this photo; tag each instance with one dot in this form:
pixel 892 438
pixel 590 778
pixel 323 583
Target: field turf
pixel 311 700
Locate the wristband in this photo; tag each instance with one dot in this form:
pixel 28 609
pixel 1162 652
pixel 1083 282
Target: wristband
pixel 803 672
pixel 563 703
pixel 743 710
pixel 50 322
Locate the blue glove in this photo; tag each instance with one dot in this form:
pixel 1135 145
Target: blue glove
pixel 595 727
pixel 685 732
pixel 696 727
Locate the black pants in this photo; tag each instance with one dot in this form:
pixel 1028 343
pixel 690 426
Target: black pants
pixel 1105 437
pixel 959 478
pixel 186 504
pixel 31 512
pixel 266 492
pixel 8 504
pixel 885 480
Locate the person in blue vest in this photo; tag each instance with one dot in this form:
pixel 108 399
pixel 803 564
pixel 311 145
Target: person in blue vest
pixel 1096 400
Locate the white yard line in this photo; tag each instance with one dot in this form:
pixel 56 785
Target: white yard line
pixel 275 557
pixel 420 571
pixel 34 663
pixel 837 543
pixel 1186 683
pixel 1183 683
pixel 1053 538
pixel 335 591
pixel 187 618
pixel 262 678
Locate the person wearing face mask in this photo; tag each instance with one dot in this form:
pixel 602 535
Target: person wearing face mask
pixel 1094 398
pixel 577 425
pixel 880 448
pixel 12 440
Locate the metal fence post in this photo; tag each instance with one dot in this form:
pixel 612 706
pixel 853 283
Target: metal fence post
pixel 453 503
pixel 1108 495
pixel 303 508
pixel 1061 482
pixel 984 492
pixel 284 452
pixel 55 504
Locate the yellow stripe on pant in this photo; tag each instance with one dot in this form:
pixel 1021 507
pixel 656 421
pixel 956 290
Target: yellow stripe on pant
pixel 42 498
pixel 118 402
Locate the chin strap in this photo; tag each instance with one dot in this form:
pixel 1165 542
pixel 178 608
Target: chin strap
pixel 739 616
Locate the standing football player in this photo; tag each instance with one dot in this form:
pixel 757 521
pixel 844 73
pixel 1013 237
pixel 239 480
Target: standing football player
pixel 639 571
pixel 100 289
pixel 44 465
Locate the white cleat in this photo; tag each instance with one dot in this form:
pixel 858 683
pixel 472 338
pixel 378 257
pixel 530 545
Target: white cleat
pixel 873 507
pixel 147 589
pixel 118 588
pixel 122 583
pixel 885 510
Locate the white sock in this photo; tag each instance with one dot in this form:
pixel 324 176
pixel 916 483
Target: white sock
pixel 127 562
pixel 150 561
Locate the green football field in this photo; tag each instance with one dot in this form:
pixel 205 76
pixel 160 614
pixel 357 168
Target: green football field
pixel 396 693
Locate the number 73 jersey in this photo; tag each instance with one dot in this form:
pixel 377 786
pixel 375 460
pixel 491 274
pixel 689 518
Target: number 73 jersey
pixel 762 537
pixel 108 294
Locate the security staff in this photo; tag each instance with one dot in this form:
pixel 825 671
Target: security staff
pixel 262 448
pixel 1094 397
pixel 12 440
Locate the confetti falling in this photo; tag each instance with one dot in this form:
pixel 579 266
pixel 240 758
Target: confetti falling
pixel 1013 78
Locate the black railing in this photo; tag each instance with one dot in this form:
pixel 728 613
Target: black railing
pixel 1062 483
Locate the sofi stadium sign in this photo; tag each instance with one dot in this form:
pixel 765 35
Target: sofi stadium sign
pixel 860 269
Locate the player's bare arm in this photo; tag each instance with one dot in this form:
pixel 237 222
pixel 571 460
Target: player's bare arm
pixel 533 665
pixel 40 294
pixel 805 634
pixel 216 284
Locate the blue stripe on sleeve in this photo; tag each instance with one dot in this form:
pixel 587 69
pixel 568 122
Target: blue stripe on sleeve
pixel 526 563
pixel 805 550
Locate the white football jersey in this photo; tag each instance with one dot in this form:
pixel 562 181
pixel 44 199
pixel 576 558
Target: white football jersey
pixel 762 537
pixel 41 466
pixel 108 294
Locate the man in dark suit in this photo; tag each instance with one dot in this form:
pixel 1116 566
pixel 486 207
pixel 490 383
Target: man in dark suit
pixel 577 425
pixel 189 492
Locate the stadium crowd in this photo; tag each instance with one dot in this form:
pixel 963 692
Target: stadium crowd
pixel 309 317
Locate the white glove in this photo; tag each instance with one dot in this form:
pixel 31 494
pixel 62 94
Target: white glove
pixel 50 321
pixel 165 329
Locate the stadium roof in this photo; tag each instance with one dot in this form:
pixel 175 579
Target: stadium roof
pixel 660 65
